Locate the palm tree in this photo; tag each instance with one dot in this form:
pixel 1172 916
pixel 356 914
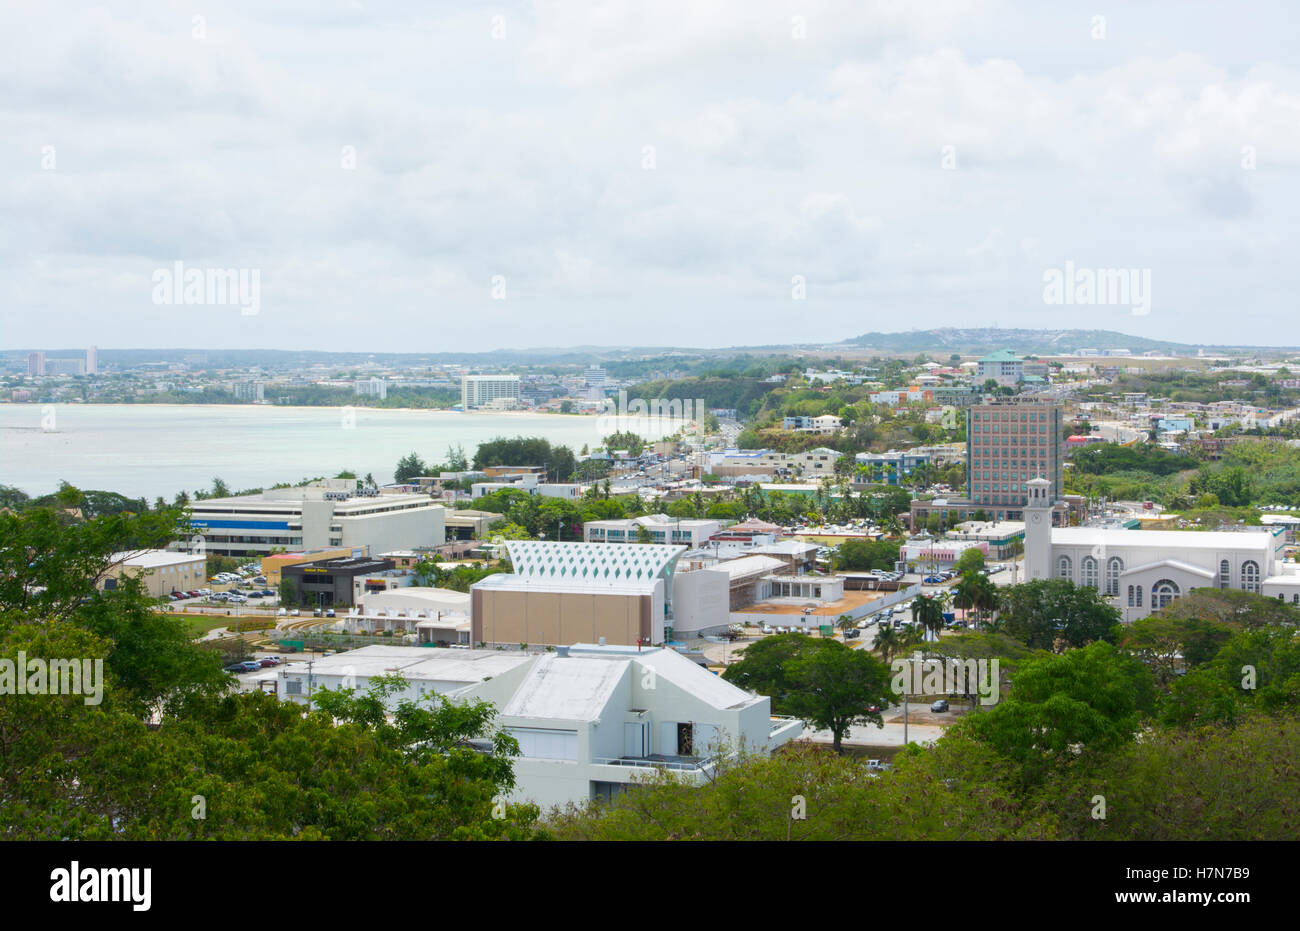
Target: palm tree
pixel 928 612
pixel 845 622
pixel 963 592
pixel 888 642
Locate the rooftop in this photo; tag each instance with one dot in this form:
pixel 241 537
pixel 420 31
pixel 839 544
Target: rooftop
pixel 152 559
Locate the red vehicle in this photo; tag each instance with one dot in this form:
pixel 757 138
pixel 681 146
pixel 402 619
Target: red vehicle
pixel 1148 505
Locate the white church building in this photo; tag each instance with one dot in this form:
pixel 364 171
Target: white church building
pixel 1140 571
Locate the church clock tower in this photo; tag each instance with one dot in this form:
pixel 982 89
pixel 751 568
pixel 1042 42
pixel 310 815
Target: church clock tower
pixel 1038 529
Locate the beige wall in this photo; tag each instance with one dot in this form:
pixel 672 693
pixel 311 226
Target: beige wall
pixel 559 618
pixel 164 580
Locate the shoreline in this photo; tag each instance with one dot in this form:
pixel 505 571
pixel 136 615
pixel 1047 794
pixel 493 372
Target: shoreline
pixel 294 407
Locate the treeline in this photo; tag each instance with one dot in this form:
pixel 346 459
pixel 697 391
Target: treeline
pixel 131 755
pixel 1106 458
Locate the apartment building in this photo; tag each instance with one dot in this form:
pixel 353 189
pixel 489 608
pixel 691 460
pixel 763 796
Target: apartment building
pixel 824 425
pixel 500 392
pixel 660 528
pixel 891 466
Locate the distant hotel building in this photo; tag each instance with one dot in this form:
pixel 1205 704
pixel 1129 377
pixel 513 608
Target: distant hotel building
pixel 35 363
pixel 500 392
pixel 92 361
pixel 248 390
pixel 596 380
pixel 372 388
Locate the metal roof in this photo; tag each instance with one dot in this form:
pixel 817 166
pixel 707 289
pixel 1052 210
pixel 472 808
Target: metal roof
pixel 613 563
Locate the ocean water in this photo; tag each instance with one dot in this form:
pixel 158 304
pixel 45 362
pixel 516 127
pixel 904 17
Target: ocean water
pixel 155 449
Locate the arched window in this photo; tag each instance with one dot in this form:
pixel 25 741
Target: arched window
pixel 1162 593
pixel 1130 596
pixel 1088 572
pixel 1250 576
pixel 1225 574
pixel 1138 601
pixel 1064 568
pixel 1114 566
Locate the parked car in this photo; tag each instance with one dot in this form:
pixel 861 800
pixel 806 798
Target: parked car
pixel 282 613
pixel 293 613
pixel 269 662
pixel 259 580
pixel 330 613
pixel 940 706
pixel 317 613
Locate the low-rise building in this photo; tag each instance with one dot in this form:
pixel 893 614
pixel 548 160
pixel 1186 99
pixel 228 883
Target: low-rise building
pixel 161 572
pixel 329 582
pixel 651 528
pixel 591 720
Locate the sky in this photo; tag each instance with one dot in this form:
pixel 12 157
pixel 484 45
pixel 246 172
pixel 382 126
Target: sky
pixel 441 177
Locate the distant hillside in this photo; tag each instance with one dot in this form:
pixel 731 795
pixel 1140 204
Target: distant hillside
pixel 1037 342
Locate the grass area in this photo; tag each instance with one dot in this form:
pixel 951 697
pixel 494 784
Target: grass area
pixel 198 626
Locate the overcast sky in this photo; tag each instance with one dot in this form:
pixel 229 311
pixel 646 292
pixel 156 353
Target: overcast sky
pixel 643 173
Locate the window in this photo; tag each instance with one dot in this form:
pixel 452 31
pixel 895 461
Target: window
pixel 1225 573
pixel 1064 568
pixel 1114 566
pixel 293 687
pixel 1130 596
pixel 1162 593
pixel 1088 570
pixel 1250 576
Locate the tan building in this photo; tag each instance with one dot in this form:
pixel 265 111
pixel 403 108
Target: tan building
pixel 161 571
pixel 562 593
pixel 509 610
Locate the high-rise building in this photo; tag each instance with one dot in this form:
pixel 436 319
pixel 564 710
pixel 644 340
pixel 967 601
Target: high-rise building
pixel 372 387
pixel 595 379
pixel 92 361
pixel 35 363
pixel 249 390
pixel 496 391
pixel 1009 442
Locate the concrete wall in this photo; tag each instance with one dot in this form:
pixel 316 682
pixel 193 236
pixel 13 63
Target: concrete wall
pixel 700 601
pixel 395 530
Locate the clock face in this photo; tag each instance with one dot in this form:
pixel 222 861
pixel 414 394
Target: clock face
pixel 1038 518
